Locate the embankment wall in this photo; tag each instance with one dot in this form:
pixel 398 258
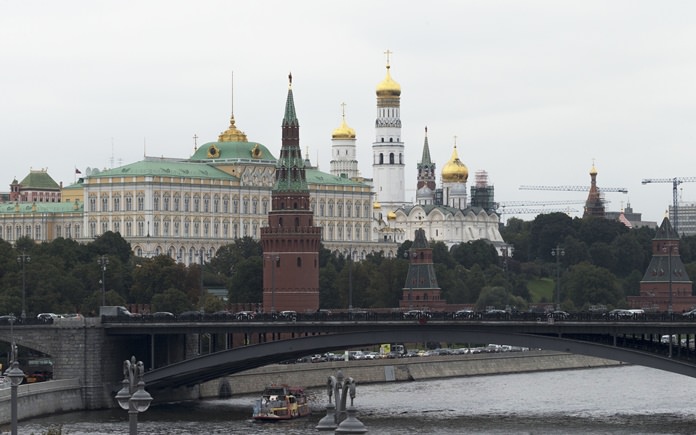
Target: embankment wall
pixel 394 370
pixel 42 398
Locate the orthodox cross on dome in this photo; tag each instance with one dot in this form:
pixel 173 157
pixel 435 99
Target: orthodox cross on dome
pixel 195 142
pixel 455 141
pixel 343 110
pixel 388 53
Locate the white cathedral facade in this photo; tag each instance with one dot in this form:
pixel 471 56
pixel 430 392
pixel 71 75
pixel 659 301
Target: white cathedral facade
pixel 444 213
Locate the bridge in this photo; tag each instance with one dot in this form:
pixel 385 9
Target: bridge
pixel 182 354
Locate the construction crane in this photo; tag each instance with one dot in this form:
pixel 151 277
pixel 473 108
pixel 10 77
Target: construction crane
pixel 676 181
pixel 524 210
pixel 575 188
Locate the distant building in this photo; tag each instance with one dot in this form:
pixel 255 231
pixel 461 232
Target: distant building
pixel 38 186
pixel 629 218
pixel 686 216
pixel 665 283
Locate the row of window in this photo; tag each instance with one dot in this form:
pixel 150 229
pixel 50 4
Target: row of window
pixel 194 203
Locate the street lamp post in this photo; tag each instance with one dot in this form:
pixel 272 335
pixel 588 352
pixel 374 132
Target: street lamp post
pixel 23 259
pixel 103 260
pixel 133 396
pixel 411 256
pixel 558 252
pixel 669 250
pixel 276 259
pixel 16 376
pixel 350 280
pixel 207 256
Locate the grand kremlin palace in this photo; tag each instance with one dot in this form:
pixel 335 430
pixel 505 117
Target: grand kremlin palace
pixel 188 208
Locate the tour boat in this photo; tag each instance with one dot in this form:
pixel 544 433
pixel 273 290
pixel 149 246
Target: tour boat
pixel 281 402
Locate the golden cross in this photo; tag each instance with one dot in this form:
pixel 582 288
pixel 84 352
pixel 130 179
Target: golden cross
pixel 388 52
pixel 343 110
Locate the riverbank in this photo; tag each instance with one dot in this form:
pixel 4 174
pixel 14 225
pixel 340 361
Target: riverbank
pixel 311 375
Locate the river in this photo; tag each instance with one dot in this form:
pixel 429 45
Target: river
pixel 618 400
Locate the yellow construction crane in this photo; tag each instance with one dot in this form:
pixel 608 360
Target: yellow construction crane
pixel 676 181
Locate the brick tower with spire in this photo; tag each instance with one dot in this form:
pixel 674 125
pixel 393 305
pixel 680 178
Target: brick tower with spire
pixel 290 242
pixel 666 285
pixel 421 290
pixel 594 206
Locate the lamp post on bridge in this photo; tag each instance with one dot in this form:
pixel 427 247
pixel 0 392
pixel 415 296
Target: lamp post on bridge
pixel 410 255
pixel 133 396
pixel 275 259
pixel 23 259
pixel 350 280
pixel 558 252
pixel 16 376
pixel 669 249
pixel 207 256
pixel 103 260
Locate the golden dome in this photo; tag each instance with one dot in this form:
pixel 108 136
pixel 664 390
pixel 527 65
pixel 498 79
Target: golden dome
pixel 455 171
pixel 388 87
pixel 391 216
pixel 593 171
pixel 232 134
pixel 376 205
pixel 344 131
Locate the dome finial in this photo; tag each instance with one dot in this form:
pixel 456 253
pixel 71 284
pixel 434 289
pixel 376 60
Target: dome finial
pixel 290 80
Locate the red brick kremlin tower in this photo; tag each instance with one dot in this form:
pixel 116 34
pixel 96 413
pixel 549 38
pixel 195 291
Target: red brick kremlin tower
pixel 665 285
pixel 421 290
pixel 290 242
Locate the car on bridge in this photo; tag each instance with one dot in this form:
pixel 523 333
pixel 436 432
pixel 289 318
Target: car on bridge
pixel 558 315
pixel 416 314
pixel 245 315
pixel 690 314
pixel 287 315
pixel 464 314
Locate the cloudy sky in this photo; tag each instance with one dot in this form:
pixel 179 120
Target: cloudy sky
pixel 533 91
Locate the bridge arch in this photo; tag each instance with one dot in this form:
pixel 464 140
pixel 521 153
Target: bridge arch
pixel 216 365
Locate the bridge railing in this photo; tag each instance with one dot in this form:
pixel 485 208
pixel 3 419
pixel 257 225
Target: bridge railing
pixel 393 316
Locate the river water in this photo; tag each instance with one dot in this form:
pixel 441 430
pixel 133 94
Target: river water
pixel 617 400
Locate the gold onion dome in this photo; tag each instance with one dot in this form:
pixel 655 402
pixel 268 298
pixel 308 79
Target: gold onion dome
pixel 232 134
pixel 388 87
pixel 593 171
pixel 343 132
pixel 376 205
pixel 391 216
pixel 455 171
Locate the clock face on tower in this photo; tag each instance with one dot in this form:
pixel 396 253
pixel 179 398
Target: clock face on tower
pixel 213 152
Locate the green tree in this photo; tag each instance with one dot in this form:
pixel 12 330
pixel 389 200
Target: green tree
pixel 585 283
pixel 172 300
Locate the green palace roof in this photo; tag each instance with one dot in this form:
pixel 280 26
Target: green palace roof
pixel 39 180
pixel 165 168
pixel 233 152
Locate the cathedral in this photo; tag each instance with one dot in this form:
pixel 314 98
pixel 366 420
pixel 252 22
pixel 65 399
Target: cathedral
pixel 188 208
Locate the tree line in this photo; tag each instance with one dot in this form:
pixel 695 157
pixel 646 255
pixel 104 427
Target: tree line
pixel 603 261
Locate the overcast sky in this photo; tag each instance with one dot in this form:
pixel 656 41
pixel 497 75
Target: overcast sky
pixel 532 90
